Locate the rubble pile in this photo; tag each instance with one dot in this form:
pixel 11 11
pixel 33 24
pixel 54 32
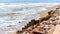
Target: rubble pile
pixel 44 25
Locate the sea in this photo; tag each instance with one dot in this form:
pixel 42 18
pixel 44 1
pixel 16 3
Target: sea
pixel 15 16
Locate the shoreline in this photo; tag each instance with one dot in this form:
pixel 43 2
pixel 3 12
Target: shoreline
pixel 44 16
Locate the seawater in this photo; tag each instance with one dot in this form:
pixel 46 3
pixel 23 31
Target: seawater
pixel 13 13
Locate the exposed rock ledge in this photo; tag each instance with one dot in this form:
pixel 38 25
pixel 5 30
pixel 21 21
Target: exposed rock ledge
pixel 45 24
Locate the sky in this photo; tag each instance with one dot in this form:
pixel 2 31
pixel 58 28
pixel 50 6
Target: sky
pixel 24 1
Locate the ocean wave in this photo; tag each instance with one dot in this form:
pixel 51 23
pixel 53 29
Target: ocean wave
pixel 11 14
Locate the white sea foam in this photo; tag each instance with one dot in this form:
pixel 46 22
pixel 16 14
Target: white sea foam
pixel 12 13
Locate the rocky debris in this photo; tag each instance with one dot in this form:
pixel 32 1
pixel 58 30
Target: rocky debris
pixel 45 24
pixel 33 21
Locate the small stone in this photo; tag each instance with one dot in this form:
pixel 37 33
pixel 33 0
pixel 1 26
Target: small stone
pixel 30 28
pixel 35 26
pixel 38 26
pixel 50 22
pixel 46 27
pixel 52 19
pixel 27 33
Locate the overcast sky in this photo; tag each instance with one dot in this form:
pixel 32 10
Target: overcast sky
pixel 16 1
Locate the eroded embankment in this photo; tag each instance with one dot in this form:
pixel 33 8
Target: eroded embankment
pixel 44 25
